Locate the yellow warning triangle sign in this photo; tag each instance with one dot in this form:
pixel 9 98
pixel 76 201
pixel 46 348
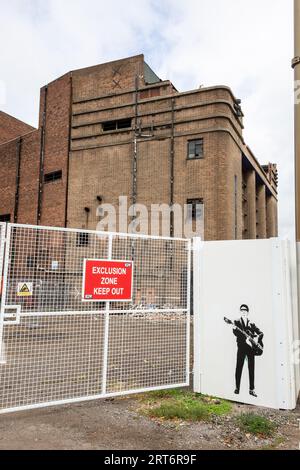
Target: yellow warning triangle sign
pixel 24 289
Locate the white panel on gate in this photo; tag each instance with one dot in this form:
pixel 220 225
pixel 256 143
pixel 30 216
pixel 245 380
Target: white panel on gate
pixel 295 273
pixel 227 276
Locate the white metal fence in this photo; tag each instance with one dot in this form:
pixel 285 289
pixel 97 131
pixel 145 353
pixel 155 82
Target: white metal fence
pixel 55 348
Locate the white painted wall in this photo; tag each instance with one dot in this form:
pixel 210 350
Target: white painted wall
pixel 226 275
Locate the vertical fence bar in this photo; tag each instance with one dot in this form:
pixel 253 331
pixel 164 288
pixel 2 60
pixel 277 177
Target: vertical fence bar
pixel 106 327
pixel 5 247
pixel 279 324
pixel 188 313
pixel 197 313
pixel 288 293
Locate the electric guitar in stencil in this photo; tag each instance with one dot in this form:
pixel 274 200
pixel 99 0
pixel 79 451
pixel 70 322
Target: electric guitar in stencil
pixel 256 343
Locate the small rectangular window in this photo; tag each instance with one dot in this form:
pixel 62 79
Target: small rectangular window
pixel 115 125
pixel 5 218
pixel 195 149
pixel 53 176
pixel 195 208
pixel 82 239
pixel 124 124
pixel 109 126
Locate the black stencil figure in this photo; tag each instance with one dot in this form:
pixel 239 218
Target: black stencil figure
pixel 249 344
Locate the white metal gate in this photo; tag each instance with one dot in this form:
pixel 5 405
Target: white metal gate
pixel 57 349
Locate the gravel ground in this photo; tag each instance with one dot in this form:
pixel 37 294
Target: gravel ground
pixel 116 424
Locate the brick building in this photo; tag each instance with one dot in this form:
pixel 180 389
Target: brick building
pixel 117 129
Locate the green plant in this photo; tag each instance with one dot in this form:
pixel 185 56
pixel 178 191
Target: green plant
pixel 185 405
pixel 256 424
pixel 181 410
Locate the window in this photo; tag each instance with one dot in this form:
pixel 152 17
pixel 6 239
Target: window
pixel 195 208
pixel 54 176
pixel 82 239
pixel 195 149
pixel 116 125
pixel 5 218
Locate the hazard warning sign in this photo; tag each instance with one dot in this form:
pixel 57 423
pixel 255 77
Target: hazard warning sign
pixel 24 289
pixel 107 280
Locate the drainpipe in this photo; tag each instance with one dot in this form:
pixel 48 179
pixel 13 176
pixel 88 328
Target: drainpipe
pixel 69 149
pixel 135 149
pixel 17 194
pixel 172 155
pixel 42 159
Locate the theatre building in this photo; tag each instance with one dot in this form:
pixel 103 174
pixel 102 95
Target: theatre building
pixel 117 129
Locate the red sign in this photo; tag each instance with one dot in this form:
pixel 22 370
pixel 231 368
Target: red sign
pixel 107 280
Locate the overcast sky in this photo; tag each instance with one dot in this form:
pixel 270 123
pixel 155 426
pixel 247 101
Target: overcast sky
pixel 245 45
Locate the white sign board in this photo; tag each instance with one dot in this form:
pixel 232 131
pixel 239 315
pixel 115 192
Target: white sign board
pixel 54 264
pixel 25 289
pixel 243 323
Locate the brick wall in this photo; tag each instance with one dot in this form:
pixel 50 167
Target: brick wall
pixel 10 127
pixel 56 149
pixel 101 163
pixel 107 78
pixel 8 172
pixel 56 146
pixel 29 178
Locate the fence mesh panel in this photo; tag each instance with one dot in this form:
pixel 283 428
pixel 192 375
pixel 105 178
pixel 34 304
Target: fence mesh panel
pixel 55 348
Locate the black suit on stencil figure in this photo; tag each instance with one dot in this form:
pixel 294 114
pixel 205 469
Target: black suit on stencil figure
pixel 249 344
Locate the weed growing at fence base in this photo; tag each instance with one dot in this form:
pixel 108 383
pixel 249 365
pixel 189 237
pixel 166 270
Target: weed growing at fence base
pixel 184 405
pixel 255 424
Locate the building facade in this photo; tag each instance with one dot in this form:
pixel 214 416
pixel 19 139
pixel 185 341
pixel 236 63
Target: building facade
pixel 116 129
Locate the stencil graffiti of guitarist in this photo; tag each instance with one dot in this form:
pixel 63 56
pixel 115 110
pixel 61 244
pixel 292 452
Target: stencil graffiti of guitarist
pixel 249 344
